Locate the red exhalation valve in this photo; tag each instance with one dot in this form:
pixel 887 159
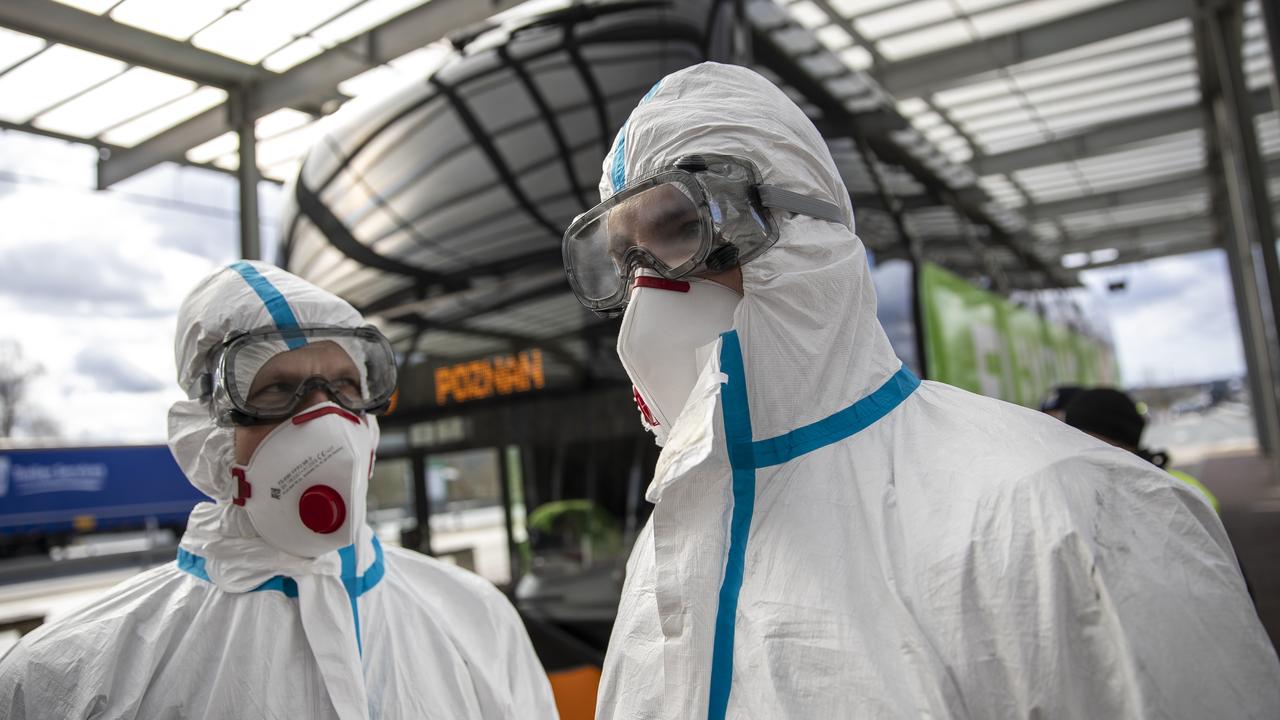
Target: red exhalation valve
pixel 642 406
pixel 322 509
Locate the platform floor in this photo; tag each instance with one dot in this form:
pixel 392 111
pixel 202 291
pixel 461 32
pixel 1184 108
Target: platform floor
pixel 1248 488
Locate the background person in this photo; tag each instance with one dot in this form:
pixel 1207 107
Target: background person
pixel 1055 403
pixel 1112 416
pixel 282 603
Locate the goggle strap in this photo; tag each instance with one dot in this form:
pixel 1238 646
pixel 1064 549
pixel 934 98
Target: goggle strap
pixel 772 196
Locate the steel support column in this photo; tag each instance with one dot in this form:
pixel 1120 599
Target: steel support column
pixel 250 244
pixel 1242 204
pixel 1253 336
pixel 508 520
pixel 1271 19
pixel 420 537
pixel 1227 26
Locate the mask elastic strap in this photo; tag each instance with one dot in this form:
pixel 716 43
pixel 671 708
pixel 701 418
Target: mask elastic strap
pixel 772 196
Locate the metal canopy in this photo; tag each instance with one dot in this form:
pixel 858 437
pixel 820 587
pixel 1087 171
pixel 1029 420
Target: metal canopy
pixel 1011 137
pixel 59 23
pixel 179 80
pixel 920 75
pixel 1045 102
pixel 437 210
pixel 1075 115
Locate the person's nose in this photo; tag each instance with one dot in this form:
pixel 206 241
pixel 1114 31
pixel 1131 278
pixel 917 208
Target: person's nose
pixel 315 396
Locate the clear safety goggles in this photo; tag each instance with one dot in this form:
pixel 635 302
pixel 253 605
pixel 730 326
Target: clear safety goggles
pixel 263 376
pixel 707 213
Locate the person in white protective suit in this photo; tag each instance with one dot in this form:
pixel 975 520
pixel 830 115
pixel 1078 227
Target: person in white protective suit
pixel 282 603
pixel 833 538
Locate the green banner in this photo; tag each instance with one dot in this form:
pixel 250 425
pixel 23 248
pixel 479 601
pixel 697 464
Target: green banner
pixel 981 342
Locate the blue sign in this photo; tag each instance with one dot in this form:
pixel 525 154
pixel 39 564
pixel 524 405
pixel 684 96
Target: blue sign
pixel 57 490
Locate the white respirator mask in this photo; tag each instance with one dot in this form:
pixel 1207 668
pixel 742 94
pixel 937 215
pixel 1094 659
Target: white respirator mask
pixel 305 486
pixel 665 323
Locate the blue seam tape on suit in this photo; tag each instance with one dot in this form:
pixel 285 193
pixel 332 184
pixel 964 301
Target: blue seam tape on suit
pixel 745 457
pixel 838 426
pixel 277 306
pixel 737 429
pixel 280 584
pixel 618 172
pixel 355 585
pixel 192 564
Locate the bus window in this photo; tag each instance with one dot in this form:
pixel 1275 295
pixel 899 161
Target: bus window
pixel 390 509
pixel 468 525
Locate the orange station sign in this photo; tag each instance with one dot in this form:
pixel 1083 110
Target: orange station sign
pixel 496 375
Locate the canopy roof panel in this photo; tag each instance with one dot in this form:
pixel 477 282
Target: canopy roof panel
pixel 1061 106
pixel 1013 97
pixel 154 81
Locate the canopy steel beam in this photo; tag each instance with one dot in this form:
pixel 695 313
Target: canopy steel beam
pixel 310 84
pixel 1096 140
pixel 1143 253
pixel 972 201
pixel 552 345
pixel 1101 138
pixel 101 145
pixel 1169 187
pixel 935 71
pixel 67 25
pixel 1137 236
pixel 247 172
pixel 471 309
pixel 461 280
pixel 1175 186
pixel 168 146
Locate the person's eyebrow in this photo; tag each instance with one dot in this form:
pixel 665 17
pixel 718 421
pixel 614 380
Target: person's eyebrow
pixel 662 217
pixel 673 212
pixel 272 375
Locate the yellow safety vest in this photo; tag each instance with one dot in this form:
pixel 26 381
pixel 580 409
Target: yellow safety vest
pixel 1197 485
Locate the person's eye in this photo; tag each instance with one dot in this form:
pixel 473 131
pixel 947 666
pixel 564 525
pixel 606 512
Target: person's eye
pixel 346 386
pixel 274 390
pixel 618 246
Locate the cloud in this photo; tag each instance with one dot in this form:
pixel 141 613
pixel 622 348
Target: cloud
pixel 1175 322
pixel 112 373
pixel 62 276
pixel 212 239
pixel 55 160
pixel 90 282
pixel 198 210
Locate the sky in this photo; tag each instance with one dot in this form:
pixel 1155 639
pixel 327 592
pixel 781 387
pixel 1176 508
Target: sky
pixel 90 284
pixel 1175 321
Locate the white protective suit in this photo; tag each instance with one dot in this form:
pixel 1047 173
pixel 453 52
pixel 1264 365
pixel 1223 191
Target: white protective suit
pixel 832 538
pixel 238 629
